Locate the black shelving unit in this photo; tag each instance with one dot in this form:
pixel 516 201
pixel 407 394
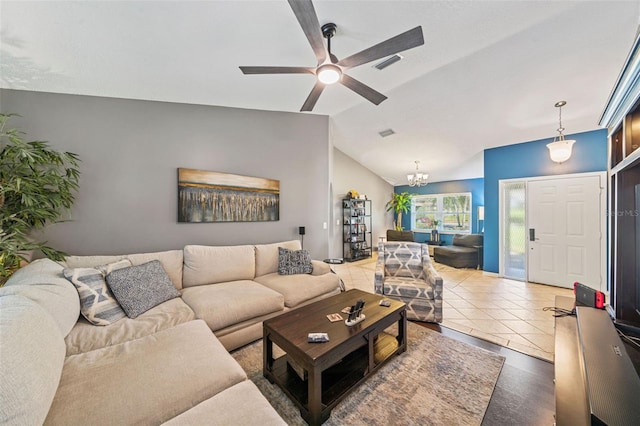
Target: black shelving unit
pixel 356 229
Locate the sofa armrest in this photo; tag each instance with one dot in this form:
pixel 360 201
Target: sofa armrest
pixel 320 268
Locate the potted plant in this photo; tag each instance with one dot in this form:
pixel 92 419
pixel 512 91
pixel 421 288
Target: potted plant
pixel 399 203
pixel 37 184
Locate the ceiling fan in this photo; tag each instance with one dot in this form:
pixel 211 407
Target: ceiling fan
pixel 330 70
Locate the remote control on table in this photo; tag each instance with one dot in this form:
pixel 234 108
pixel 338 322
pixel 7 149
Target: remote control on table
pixel 317 337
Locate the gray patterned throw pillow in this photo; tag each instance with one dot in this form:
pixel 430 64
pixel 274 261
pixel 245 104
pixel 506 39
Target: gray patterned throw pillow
pixel 294 262
pixel 97 304
pixel 140 288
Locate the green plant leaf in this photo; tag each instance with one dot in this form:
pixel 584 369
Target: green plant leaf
pixel 37 186
pixel 399 203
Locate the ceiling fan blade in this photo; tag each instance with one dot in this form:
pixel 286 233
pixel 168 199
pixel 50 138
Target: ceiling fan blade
pixel 362 89
pixel 313 97
pixel 308 19
pixel 404 41
pixel 277 70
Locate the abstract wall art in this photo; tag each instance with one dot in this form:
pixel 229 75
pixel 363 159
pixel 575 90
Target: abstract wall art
pixel 205 196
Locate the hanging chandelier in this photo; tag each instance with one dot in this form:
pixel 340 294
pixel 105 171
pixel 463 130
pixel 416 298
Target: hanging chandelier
pixel 418 178
pixel 560 148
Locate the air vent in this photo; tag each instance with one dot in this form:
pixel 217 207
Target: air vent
pixel 387 132
pixel 389 61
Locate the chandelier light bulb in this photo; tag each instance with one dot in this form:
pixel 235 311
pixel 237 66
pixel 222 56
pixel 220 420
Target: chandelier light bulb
pixel 418 178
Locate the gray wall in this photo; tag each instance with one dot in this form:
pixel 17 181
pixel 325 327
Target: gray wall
pixel 349 174
pixel 130 153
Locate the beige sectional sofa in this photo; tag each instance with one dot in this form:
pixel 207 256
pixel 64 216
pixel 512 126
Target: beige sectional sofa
pixel 168 365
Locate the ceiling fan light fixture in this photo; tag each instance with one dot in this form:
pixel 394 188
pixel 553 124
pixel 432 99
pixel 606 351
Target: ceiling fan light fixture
pixel 330 69
pixel 329 73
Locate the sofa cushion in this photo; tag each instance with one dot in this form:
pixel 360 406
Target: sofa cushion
pixel 452 251
pixel 97 303
pixel 241 404
pixel 395 235
pixel 42 281
pixel 229 303
pixel 145 381
pixel 297 289
pixel 91 261
pixel 291 262
pixel 171 261
pixel 243 333
pixel 211 264
pixel 467 240
pixel 31 359
pixel 140 288
pixel 267 256
pixel 320 268
pixel 456 256
pixel 85 337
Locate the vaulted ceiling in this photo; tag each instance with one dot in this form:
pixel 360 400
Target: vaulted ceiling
pixel 488 74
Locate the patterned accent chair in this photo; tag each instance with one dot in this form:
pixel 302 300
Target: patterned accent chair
pixel 404 272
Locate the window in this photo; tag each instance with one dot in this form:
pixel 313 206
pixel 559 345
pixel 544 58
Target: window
pixel 444 212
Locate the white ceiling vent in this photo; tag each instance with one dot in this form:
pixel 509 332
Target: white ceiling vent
pixel 389 61
pixel 387 132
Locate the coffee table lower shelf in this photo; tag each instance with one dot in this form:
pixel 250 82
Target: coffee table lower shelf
pixel 317 376
pixel 337 381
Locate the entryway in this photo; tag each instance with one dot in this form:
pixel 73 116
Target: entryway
pixel 553 230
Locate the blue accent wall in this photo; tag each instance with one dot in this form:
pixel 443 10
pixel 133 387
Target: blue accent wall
pixel 531 159
pixel 475 186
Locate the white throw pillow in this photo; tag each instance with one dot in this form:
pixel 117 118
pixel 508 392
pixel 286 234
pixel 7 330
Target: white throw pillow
pixel 97 303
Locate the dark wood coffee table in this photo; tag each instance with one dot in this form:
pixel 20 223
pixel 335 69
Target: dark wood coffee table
pixel 327 372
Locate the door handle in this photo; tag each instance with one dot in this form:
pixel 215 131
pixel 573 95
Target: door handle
pixel 532 234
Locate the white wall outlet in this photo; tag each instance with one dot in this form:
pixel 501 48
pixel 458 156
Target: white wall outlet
pixel 324 225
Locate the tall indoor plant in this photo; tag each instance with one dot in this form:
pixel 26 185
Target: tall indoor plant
pixel 37 185
pixel 399 203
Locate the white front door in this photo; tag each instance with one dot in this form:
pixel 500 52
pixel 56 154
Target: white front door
pixel 565 231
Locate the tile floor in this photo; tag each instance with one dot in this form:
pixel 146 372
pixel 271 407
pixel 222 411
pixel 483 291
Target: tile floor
pixel 506 312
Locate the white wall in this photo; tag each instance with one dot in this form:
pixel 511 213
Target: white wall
pixel 348 174
pixel 131 151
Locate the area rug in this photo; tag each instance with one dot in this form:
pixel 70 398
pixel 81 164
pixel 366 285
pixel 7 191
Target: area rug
pixel 438 381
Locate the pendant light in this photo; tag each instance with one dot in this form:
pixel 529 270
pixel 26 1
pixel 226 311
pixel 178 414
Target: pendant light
pixel 560 148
